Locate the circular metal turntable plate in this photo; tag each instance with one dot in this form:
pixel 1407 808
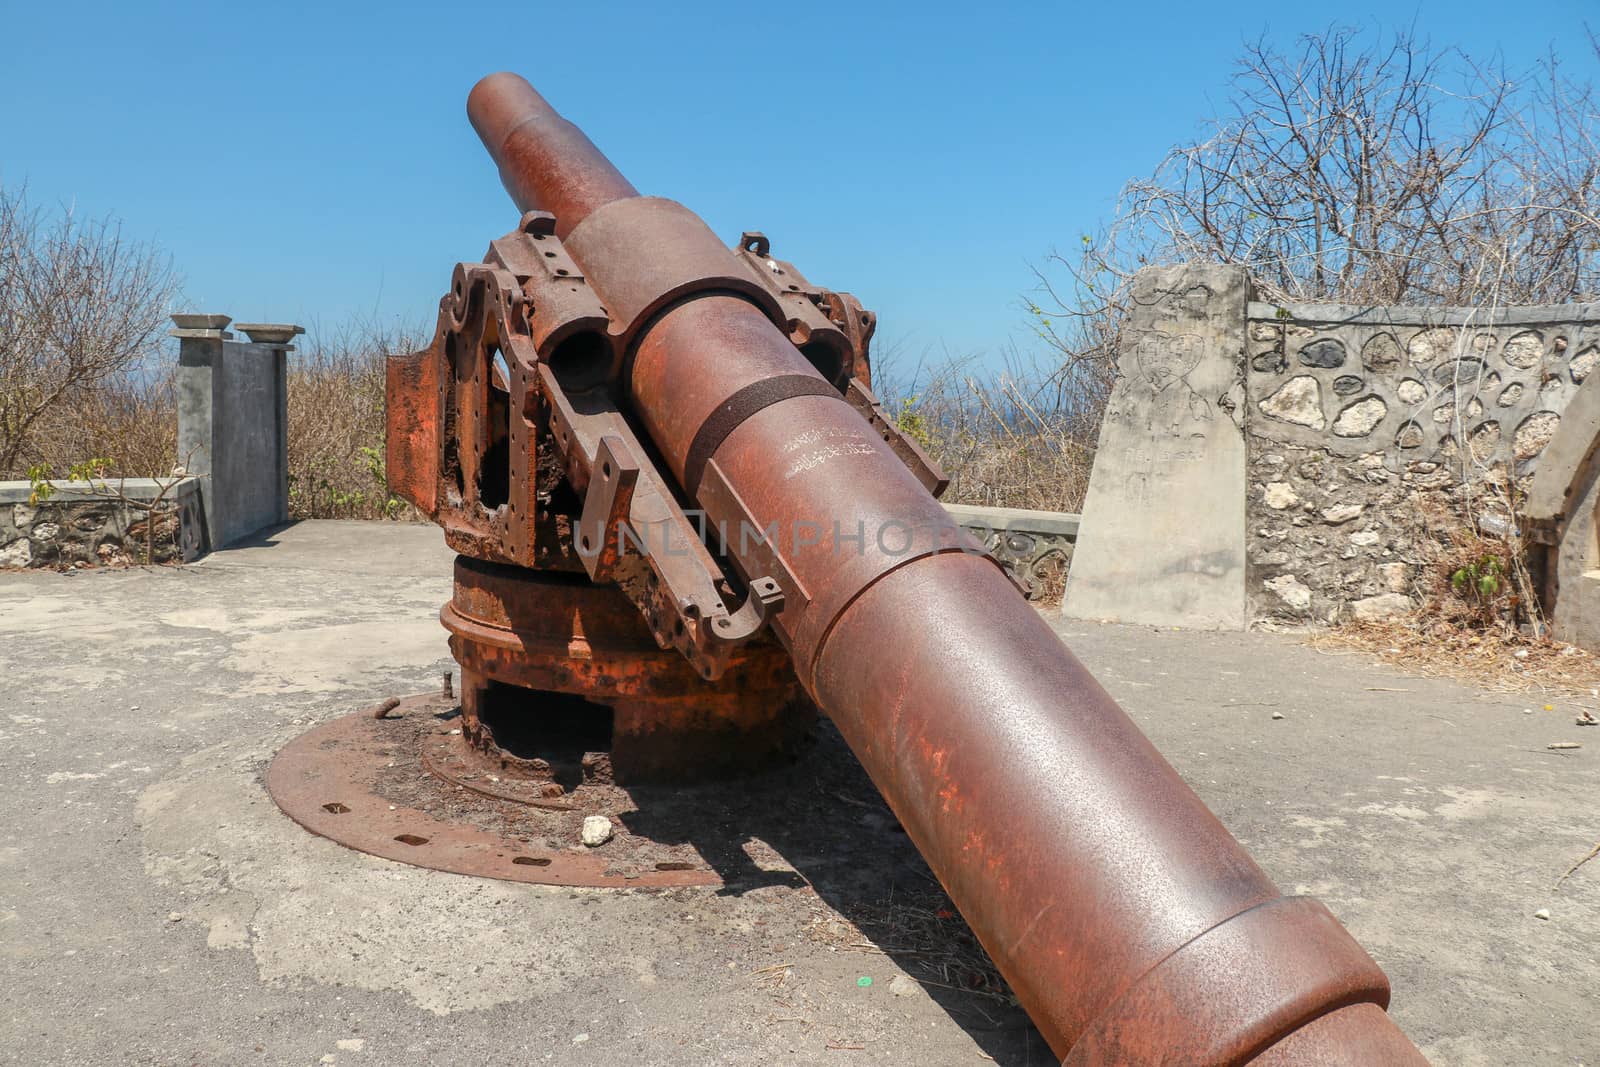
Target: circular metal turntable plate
pixel 404 787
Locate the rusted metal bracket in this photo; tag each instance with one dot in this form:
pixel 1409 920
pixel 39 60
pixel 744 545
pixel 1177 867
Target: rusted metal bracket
pixel 831 329
pixel 921 464
pixel 742 538
pixel 633 532
pixel 613 473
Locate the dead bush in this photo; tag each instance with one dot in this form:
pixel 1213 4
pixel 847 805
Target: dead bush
pixel 1013 437
pixel 336 424
pixel 1349 167
pixel 1471 580
pixel 82 311
pixel 130 420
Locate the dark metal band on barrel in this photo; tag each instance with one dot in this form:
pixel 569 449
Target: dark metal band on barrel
pixel 738 407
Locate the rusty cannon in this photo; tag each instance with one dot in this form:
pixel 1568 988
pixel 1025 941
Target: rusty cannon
pixel 676 501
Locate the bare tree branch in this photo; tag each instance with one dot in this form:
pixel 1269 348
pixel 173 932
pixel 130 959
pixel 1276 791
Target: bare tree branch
pixel 1359 172
pixel 79 305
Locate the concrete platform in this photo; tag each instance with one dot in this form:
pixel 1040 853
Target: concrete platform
pixel 155 908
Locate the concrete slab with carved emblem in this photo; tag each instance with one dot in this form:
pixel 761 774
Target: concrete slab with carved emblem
pixel 155 907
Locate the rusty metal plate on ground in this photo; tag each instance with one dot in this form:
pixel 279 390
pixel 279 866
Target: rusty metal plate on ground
pixel 366 783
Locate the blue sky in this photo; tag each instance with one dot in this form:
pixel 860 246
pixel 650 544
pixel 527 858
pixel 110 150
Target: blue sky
pixel 312 162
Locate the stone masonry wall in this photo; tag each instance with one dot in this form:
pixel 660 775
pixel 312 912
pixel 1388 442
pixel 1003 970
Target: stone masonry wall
pixel 1364 422
pixel 73 529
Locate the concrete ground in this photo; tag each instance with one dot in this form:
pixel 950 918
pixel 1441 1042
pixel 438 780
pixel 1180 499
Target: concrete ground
pixel 155 907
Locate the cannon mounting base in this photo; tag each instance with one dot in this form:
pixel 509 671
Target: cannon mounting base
pixel 407 787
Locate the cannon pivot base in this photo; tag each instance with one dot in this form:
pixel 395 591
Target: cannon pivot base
pixel 407 787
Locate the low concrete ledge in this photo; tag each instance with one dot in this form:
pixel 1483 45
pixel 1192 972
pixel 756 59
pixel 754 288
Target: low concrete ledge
pixel 89 523
pixel 1421 315
pixel 140 489
pixel 1062 524
pixel 1022 540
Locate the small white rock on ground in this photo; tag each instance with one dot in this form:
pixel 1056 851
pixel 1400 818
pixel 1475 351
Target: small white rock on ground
pixel 596 830
pixel 903 986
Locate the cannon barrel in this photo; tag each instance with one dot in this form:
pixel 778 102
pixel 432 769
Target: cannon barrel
pixel 1133 928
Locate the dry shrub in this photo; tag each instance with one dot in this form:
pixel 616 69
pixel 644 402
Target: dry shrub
pixel 131 419
pixel 336 424
pixel 1017 437
pixel 1473 580
pixel 1476 622
pixel 82 311
pixel 1490 659
pixel 1360 168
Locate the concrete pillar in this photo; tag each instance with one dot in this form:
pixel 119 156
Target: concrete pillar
pixel 232 422
pixel 1163 534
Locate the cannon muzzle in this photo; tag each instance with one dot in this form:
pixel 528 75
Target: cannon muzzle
pixel 545 161
pixel 1133 928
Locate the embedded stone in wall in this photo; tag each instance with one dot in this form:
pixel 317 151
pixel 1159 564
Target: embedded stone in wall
pixel 1360 418
pixel 1346 384
pixel 1382 606
pixel 1291 590
pixel 1341 513
pixel 1474 408
pixel 1510 394
pixel 1270 362
pixel 1534 433
pixel 1429 345
pixel 1381 353
pixel 1411 391
pixel 1443 414
pixel 1460 372
pixel 1410 436
pixel 1482 440
pixel 1583 363
pixel 1279 495
pixel 1326 354
pixel 1525 349
pixel 1396 576
pixel 1299 401
pixel 1162 539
